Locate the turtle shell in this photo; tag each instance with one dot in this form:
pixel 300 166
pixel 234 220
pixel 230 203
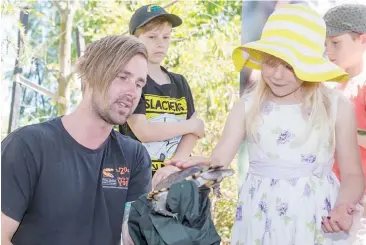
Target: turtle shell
pixel 179 176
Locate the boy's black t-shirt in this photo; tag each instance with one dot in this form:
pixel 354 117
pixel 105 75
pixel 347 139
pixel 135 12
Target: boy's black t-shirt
pixel 163 103
pixel 64 193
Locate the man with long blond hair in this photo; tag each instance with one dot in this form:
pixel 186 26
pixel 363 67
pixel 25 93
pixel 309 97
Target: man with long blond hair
pixel 66 180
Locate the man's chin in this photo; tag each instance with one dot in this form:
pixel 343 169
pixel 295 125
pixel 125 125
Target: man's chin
pixel 118 122
pixel 115 120
pixel 121 119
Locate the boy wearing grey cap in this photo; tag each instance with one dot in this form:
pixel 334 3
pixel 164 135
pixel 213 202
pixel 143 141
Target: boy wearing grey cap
pixel 346 47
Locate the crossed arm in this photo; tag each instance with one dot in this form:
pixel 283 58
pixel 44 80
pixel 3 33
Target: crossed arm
pixel 186 145
pixel 151 132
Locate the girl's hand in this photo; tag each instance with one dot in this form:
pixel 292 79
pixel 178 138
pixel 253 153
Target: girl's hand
pixel 339 219
pixel 189 162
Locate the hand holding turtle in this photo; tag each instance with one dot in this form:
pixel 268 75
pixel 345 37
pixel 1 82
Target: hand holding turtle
pixel 190 162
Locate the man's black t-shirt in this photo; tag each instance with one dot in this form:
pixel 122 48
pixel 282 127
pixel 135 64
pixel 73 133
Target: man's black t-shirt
pixel 163 103
pixel 64 193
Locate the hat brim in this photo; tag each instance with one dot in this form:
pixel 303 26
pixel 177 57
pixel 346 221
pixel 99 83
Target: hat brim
pixel 175 20
pixel 306 68
pixel 332 31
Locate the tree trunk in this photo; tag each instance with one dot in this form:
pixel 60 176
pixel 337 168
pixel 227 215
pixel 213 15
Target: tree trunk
pixel 16 90
pixel 80 42
pixel 66 10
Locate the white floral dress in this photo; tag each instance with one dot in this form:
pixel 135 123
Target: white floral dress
pixel 289 185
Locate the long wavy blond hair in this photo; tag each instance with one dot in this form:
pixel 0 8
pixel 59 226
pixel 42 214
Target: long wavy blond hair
pixel 316 107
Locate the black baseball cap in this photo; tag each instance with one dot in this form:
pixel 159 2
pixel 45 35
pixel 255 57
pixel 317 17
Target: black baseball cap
pixel 146 13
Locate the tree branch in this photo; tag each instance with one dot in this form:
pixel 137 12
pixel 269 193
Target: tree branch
pixel 39 89
pixel 57 4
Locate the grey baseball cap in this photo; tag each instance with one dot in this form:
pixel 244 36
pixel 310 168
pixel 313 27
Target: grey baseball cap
pixel 345 18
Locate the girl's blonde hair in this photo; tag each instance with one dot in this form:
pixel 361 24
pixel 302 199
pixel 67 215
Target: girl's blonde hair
pixel 316 107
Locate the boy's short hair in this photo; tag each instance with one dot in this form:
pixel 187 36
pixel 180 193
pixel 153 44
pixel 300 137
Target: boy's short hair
pixel 148 13
pixel 155 23
pixel 346 18
pixel 355 35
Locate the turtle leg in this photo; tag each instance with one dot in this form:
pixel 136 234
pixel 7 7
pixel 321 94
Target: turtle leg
pixel 166 213
pixel 216 189
pixel 159 206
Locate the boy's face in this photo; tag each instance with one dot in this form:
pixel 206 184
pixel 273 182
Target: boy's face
pixel 157 42
pixel 345 50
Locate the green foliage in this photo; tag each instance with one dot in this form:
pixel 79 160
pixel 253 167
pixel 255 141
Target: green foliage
pixel 8 8
pixel 201 51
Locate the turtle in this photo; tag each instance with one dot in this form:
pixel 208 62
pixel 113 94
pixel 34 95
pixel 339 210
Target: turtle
pixel 202 176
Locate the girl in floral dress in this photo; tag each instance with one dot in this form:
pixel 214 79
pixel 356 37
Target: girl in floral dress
pixel 293 124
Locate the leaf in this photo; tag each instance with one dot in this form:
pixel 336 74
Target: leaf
pixel 311 226
pixel 201 51
pixel 259 215
pixel 287 219
pixel 276 130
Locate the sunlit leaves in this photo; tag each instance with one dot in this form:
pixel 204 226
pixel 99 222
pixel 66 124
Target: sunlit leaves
pixel 201 50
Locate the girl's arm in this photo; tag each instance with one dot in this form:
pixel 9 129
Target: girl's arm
pixel 352 185
pixel 229 142
pixel 232 136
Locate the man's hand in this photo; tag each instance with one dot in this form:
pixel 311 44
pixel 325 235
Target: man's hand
pixel 190 162
pixel 162 173
pixel 126 238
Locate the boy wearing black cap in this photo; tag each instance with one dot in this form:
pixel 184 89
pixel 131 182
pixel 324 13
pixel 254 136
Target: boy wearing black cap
pixel 165 120
pixel 346 47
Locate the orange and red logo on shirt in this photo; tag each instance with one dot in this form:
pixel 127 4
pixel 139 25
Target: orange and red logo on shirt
pixel 115 178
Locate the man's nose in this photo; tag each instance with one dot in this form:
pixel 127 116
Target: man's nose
pixel 131 89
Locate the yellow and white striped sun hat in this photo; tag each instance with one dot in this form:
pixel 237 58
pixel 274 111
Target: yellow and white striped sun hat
pixel 296 34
